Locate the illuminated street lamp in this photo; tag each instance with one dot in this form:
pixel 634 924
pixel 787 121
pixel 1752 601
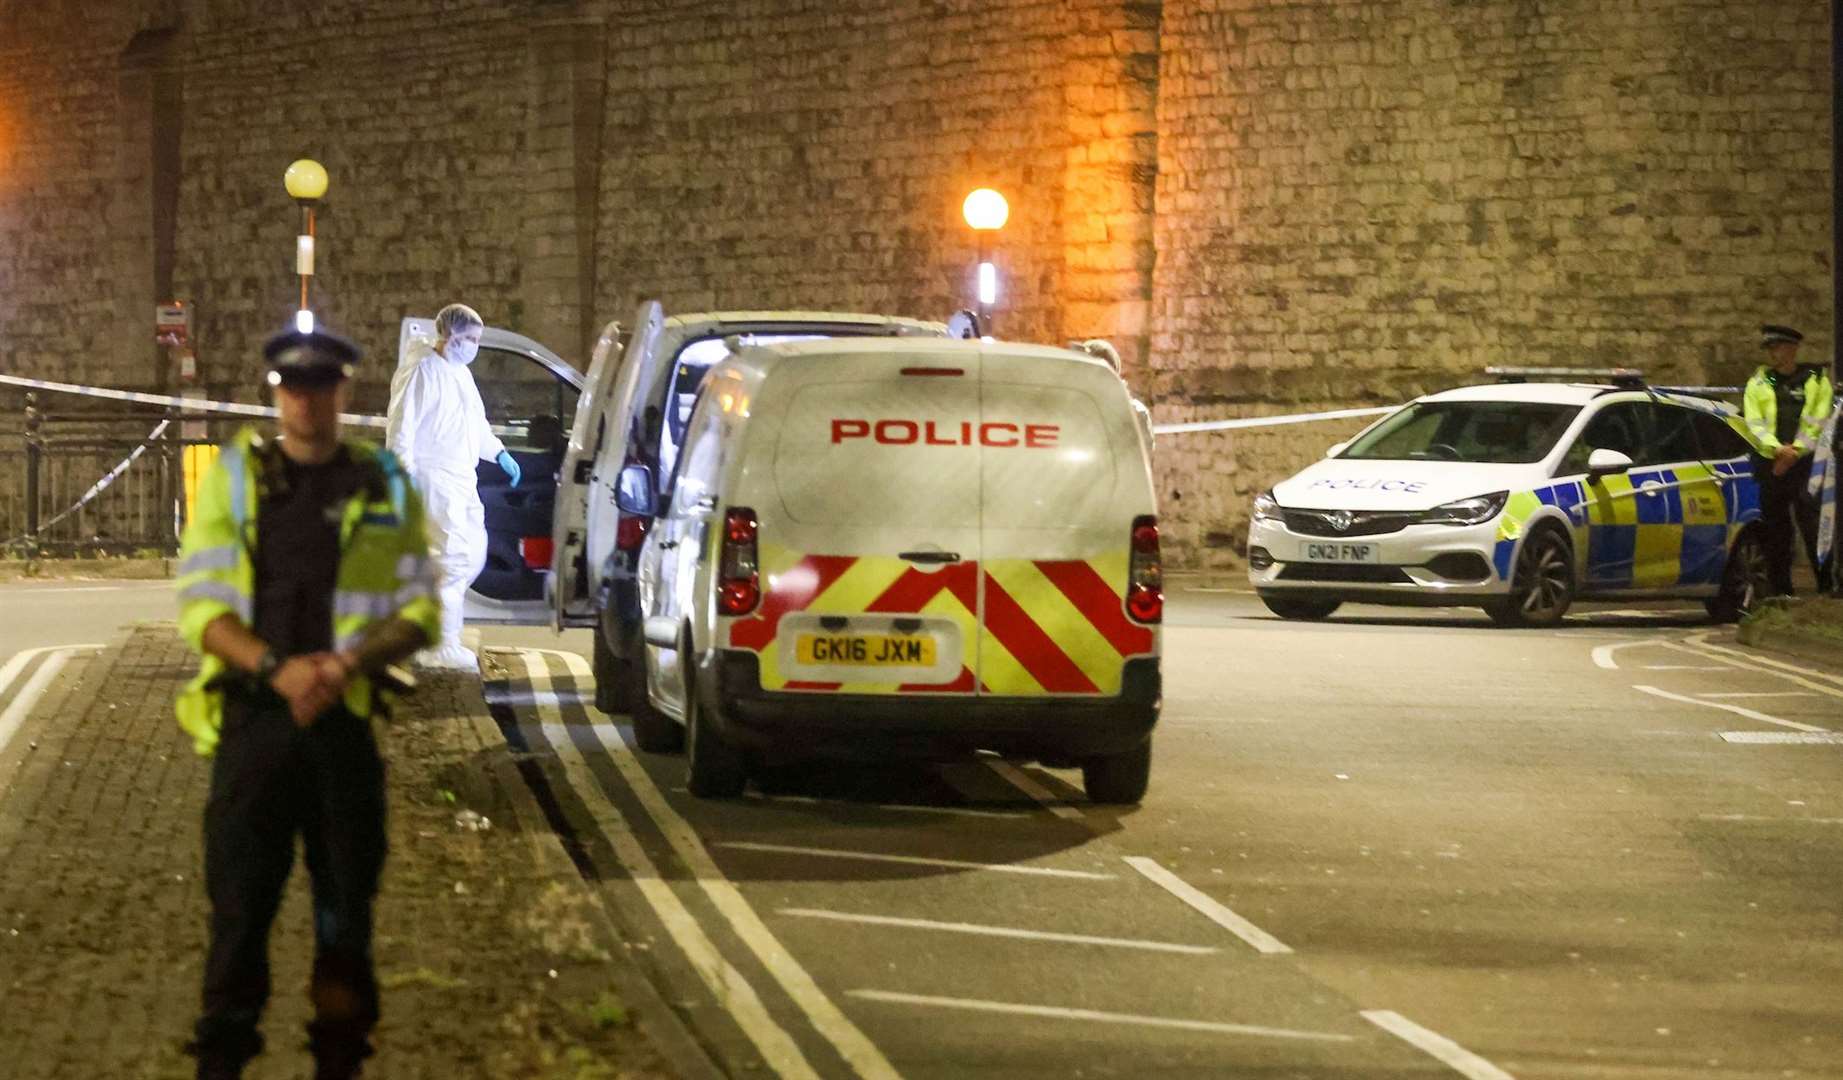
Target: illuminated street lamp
pixel 306 183
pixel 986 211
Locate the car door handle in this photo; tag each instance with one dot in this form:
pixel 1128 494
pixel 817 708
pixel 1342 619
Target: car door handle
pixel 1650 487
pixel 938 557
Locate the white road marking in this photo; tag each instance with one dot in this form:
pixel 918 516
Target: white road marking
pixel 1735 709
pixel 1016 777
pixel 1689 667
pixel 1783 738
pixel 852 1044
pixel 35 687
pixel 1699 644
pixel 912 860
pixel 1603 654
pixel 731 988
pixel 961 811
pixel 1760 693
pixel 1759 817
pixel 1056 1012
pixel 998 931
pixel 1462 1061
pixel 1260 939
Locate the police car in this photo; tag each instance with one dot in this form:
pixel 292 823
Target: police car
pixel 1521 497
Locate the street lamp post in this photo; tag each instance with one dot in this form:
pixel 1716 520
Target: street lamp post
pixel 986 212
pixel 306 184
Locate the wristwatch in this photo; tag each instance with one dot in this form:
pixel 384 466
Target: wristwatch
pixel 265 667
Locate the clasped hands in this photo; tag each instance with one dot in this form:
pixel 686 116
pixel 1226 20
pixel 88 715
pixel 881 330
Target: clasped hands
pixel 1783 459
pixel 313 683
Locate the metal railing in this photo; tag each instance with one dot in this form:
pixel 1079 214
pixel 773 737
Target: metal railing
pixel 89 482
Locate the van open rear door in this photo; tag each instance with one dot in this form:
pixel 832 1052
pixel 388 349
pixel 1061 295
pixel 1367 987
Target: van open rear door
pixel 587 517
pixel 870 562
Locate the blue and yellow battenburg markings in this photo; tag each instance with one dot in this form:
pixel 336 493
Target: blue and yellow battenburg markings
pixel 1677 534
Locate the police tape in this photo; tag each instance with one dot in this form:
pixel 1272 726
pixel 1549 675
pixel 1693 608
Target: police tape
pixel 99 486
pixel 1266 421
pixel 196 405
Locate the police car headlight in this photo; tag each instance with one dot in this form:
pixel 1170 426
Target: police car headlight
pixel 1474 511
pixel 1266 507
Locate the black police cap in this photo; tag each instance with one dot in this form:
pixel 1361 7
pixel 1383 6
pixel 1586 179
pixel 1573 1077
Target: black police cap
pixel 318 356
pixel 1771 334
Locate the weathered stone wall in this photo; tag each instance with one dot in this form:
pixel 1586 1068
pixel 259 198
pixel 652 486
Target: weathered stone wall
pixel 1363 200
pixel 1271 205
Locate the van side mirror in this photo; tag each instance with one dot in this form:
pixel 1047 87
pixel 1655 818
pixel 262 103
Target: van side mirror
pixel 633 492
pixel 1604 462
pixel 1336 450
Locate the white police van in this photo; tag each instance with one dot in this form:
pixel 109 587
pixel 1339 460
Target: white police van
pixel 909 548
pixel 1520 497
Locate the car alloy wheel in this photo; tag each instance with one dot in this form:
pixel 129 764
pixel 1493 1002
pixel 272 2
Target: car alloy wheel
pixel 1542 586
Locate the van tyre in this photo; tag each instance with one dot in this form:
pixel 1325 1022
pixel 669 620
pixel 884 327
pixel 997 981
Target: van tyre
pixel 1119 778
pixel 654 731
pixel 612 680
pixel 1301 607
pixel 1745 580
pixel 1541 582
pixel 715 768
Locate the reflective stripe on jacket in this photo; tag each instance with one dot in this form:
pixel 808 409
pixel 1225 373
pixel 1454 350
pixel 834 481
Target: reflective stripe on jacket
pixel 1762 409
pixel 384 569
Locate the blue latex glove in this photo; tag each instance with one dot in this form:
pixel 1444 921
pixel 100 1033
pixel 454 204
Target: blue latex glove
pixel 510 465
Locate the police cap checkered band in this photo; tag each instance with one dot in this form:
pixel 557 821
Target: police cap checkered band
pixel 1771 335
pixel 318 356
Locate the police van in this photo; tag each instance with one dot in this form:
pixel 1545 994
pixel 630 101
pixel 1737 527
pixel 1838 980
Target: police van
pixel 904 547
pixel 1520 497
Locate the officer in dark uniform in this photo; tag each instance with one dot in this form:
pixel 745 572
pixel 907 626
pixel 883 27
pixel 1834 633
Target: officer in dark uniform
pixel 334 582
pixel 1785 405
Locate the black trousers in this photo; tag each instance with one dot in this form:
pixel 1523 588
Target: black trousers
pixel 1783 504
pixel 271 781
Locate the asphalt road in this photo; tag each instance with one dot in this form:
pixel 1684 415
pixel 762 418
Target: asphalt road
pixel 1386 845
pixel 1418 845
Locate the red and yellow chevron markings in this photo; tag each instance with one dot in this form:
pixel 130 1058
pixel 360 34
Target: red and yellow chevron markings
pixel 1051 627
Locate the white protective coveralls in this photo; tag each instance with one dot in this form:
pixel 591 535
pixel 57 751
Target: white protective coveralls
pixel 438 429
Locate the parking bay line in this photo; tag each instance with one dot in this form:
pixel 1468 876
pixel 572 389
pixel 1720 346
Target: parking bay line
pixel 1057 1012
pixel 35 687
pixel 831 1023
pixel 1735 709
pixel 998 931
pixel 1760 694
pixel 911 860
pixel 1699 645
pixel 730 987
pixel 1260 939
pixel 1432 1043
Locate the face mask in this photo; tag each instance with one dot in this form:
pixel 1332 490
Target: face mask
pixel 462 352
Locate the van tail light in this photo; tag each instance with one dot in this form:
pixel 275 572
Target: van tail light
pixel 1145 579
pixel 536 551
pixel 630 532
pixel 738 571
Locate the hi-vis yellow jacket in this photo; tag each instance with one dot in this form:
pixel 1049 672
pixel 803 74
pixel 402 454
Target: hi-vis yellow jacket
pixel 1763 411
pixel 384 568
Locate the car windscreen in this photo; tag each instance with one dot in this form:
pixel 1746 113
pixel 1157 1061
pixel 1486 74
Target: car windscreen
pixel 1495 432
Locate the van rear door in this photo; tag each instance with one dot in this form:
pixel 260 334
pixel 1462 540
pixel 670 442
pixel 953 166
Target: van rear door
pixel 1063 475
pixel 870 556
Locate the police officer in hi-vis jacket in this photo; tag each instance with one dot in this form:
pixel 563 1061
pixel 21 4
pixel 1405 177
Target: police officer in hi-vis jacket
pixel 1786 406
pixel 304 573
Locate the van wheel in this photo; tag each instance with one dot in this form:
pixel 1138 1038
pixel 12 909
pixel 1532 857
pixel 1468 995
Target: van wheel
pixel 716 769
pixel 1541 584
pixel 612 679
pixel 1744 580
pixel 654 731
pixel 1301 607
pixel 1119 778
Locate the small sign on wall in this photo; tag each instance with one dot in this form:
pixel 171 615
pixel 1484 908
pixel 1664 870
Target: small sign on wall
pixel 173 322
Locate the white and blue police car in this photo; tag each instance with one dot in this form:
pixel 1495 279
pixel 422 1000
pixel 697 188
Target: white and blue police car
pixel 1520 497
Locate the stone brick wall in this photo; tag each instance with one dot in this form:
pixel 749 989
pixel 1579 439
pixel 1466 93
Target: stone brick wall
pixel 1364 200
pixel 1271 205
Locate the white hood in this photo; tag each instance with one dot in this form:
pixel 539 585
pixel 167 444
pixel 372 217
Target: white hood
pixel 1339 484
